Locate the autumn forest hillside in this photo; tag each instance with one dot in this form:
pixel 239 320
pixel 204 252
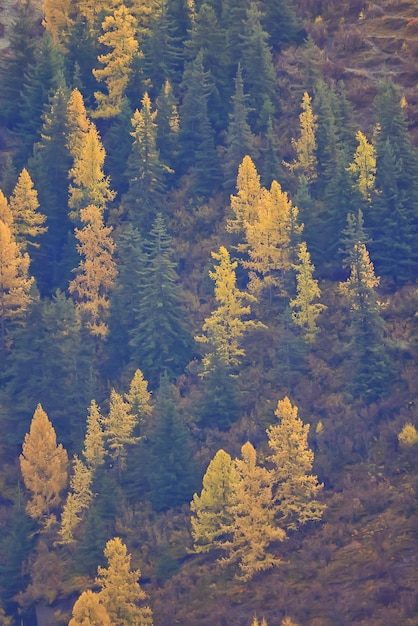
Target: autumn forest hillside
pixel 208 313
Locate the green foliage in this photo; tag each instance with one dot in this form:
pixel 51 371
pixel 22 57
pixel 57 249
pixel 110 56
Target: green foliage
pixel 171 470
pixel 159 339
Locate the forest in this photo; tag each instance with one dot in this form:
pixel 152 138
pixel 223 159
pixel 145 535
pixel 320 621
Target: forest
pixel 208 313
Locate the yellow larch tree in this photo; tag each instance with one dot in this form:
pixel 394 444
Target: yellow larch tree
pixel 119 35
pixel 5 212
pixel 96 272
pixel 210 509
pixel 44 466
pixel 363 166
pixel 88 611
pixel 78 123
pixel 120 592
pixel 245 204
pixel 305 163
pixel 89 184
pixel 78 499
pixel 306 308
pixel 119 427
pixel 254 528
pixel 226 326
pixel 57 18
pixel 295 488
pixel 15 282
pixel 139 398
pixel 94 450
pixel 269 240
pixel 27 221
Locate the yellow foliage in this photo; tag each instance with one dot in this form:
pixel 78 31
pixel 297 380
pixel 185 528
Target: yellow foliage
pixel 119 35
pixel 225 327
pixel 44 466
pixel 295 488
pixel 87 611
pixel 306 163
pixel 78 499
pixel 94 451
pixel 364 166
pixel 23 204
pixel 408 437
pixel 96 272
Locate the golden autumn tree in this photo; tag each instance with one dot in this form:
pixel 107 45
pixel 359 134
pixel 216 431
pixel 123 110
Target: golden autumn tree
pixel 139 398
pixel 210 509
pixel 305 305
pixel 119 35
pixel 78 123
pixel 5 212
pixel 88 611
pixel 44 466
pixel 295 488
pixel 78 499
pixel 226 326
pixel 269 240
pixel 257 622
pixel 57 18
pixel 120 592
pixel 254 528
pixel 15 282
pixel 244 205
pixel 27 221
pixel 363 166
pixel 96 272
pixel 119 426
pixel 94 450
pixel 305 146
pixel 89 184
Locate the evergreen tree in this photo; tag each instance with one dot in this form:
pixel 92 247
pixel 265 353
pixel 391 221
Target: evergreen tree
pixel 117 143
pixel 168 125
pixel 295 489
pixel 281 22
pixel 219 405
pixel 40 81
pixel 44 466
pixel 196 137
pixel 96 272
pixel 240 140
pixel 253 528
pixel 211 509
pixel 159 339
pixel 146 173
pixel 372 367
pixel 125 298
pixel 171 471
pixel 163 50
pixel 208 36
pixel 392 220
pixel 49 166
pixel 51 364
pixel 257 68
pixel 13 66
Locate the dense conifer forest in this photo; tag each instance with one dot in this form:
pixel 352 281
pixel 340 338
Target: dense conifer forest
pixel 208 313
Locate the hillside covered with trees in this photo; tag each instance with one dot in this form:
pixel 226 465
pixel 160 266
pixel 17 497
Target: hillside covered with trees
pixel 208 313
